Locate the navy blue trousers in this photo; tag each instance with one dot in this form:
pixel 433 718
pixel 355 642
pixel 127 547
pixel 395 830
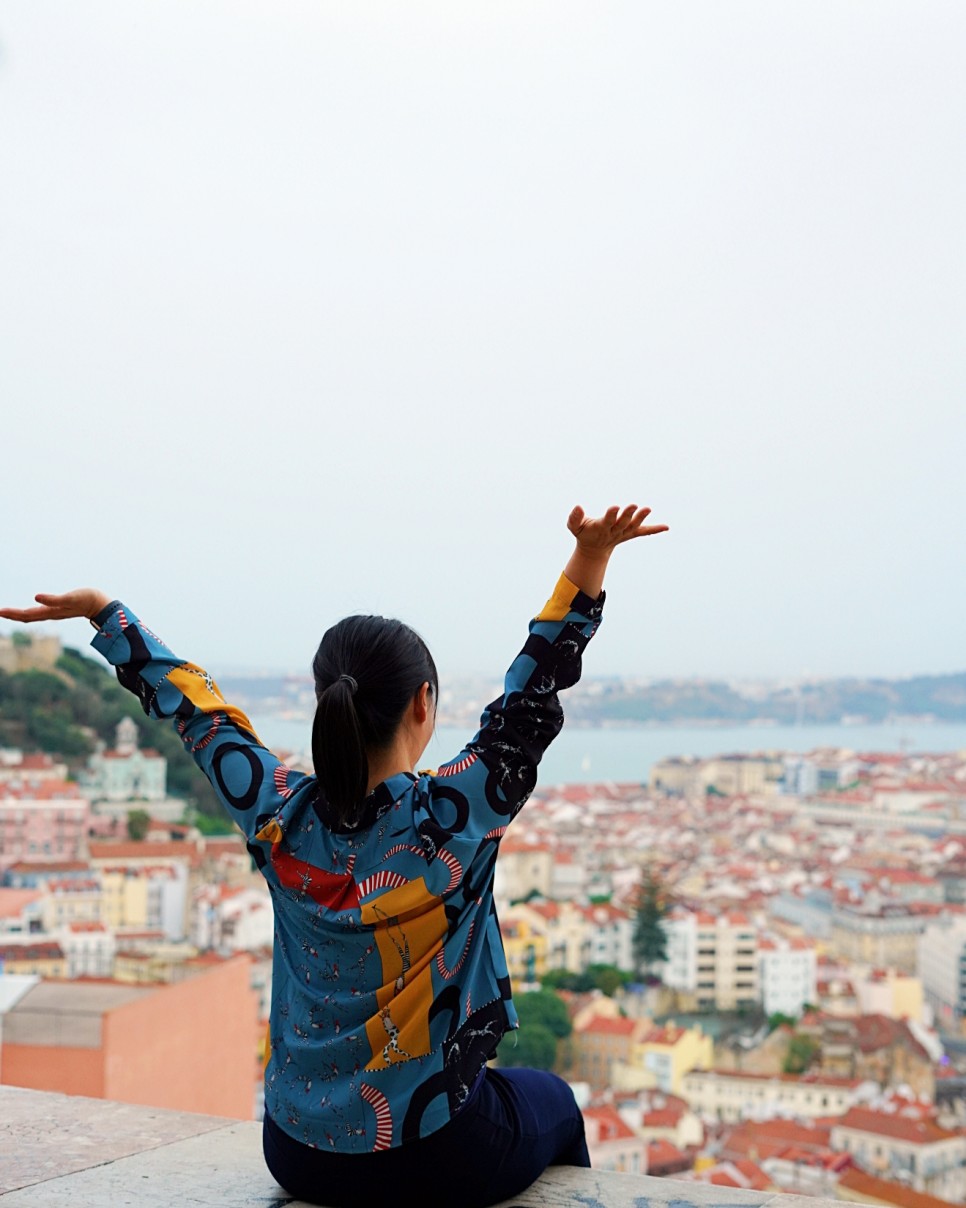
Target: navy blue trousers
pixel 515 1125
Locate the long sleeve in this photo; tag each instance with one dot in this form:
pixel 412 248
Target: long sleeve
pixel 250 781
pixel 496 772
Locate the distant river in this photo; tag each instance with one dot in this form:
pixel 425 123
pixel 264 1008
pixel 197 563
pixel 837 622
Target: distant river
pixel 585 756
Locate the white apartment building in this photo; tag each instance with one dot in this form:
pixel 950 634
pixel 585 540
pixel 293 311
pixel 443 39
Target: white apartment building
pixel 732 1096
pixel 787 975
pixel 609 937
pixel 713 957
pixel 89 948
pixel 568 877
pixel 912 1151
pixel 942 969
pixel 876 933
pixel 522 869
pixel 233 920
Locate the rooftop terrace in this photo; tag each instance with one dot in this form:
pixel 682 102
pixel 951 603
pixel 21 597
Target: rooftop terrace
pixel 59 1151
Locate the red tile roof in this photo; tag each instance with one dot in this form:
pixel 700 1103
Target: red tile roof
pixel 43 790
pixel 44 950
pixel 144 850
pixel 744 1174
pixel 601 1025
pixel 879 1190
pixel 884 1124
pixel 610 1126
pixel 662 1154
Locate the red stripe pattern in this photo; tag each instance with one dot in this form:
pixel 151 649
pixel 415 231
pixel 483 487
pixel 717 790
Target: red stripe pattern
pixel 381 880
pixel 280 776
pixel 411 847
pixel 441 963
pixel 455 869
pixel 216 720
pixel 454 769
pixel 380 1105
pixel 497 833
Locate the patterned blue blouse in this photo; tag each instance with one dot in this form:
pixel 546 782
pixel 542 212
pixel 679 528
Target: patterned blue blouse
pixel 390 987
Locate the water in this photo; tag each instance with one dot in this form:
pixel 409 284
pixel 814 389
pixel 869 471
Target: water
pixel 585 756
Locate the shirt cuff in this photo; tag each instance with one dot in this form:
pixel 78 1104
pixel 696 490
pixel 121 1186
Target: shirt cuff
pixel 100 619
pixel 567 598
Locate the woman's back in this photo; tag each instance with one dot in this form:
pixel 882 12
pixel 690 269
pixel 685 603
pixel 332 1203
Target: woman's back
pixel 391 990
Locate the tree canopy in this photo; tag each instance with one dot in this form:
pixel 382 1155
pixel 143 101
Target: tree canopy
pixel 543 1022
pixel 606 978
pixel 650 938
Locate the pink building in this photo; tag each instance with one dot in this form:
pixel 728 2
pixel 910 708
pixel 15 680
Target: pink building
pixel 43 821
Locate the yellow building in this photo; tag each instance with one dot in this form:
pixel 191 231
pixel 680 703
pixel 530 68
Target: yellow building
pixel 525 947
pixel 145 963
pixel 71 901
pixel 663 1055
pixel 126 899
pixel 565 929
pixel 887 992
pixel 43 958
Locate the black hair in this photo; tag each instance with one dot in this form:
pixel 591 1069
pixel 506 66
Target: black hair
pixel 367 671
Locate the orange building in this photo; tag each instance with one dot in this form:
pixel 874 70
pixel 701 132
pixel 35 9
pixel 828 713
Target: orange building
pixel 601 1044
pixel 187 1046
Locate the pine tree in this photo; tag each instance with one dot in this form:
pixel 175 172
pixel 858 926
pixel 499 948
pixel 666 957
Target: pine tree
pixel 650 938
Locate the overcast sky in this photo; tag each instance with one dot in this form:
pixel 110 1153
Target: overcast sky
pixel 312 308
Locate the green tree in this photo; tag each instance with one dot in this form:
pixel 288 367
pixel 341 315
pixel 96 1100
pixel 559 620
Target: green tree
pixel 608 978
pixel 650 939
pixel 138 822
pixel 801 1051
pixel 543 1023
pixel 534 1047
pixel 545 1009
pixel 564 979
pixel 220 825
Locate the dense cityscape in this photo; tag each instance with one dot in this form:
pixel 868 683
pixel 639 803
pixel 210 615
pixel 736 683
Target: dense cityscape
pixel 749 969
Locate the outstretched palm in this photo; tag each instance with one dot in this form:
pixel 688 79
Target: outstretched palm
pixel 82 602
pixel 614 527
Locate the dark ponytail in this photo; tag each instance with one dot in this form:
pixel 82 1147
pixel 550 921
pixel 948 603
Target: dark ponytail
pixel 367 671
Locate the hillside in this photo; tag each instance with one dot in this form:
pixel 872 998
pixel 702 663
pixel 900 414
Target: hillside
pixel 64 711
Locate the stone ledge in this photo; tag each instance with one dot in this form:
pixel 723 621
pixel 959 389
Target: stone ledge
pixel 61 1151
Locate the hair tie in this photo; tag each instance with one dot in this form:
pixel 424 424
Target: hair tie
pixel 351 681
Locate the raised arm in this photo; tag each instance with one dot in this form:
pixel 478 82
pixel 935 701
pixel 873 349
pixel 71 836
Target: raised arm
pixel 497 771
pixel 250 781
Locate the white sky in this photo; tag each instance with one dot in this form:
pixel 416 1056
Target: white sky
pixel 310 308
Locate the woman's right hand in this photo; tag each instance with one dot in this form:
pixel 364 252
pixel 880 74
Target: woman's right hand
pixel 82 602
pixel 598 538
pixel 612 529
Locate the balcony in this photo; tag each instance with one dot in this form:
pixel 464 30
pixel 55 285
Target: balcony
pixel 59 1151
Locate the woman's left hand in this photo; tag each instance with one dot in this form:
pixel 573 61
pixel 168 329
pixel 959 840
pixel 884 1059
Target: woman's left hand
pixel 82 602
